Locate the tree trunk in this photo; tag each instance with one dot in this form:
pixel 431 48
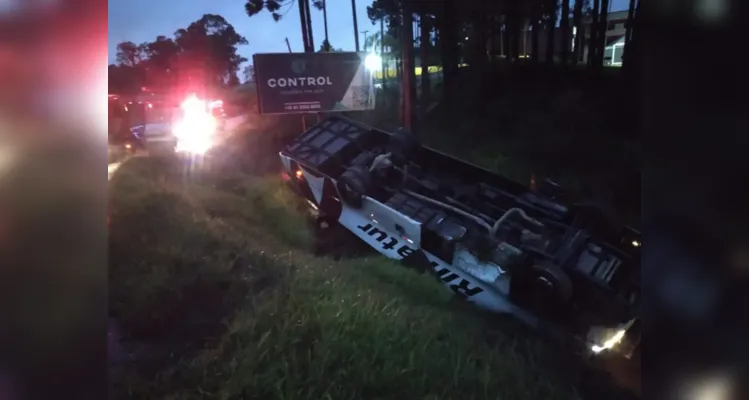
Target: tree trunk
pixel 630 20
pixel 396 30
pixel 517 38
pixel 565 28
pixel 382 48
pixel 408 84
pixel 535 27
pixel 593 41
pixel 309 27
pixel 551 25
pixel 514 27
pixel 479 50
pixel 635 33
pixel 356 25
pixel 577 17
pixel 325 20
pixel 303 19
pixel 630 53
pixel 505 39
pixel 603 26
pixel 449 43
pixel 424 43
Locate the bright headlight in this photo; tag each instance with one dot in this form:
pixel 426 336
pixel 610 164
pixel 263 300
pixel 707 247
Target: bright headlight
pixel 610 343
pixel 194 127
pixel 195 131
pixel 613 340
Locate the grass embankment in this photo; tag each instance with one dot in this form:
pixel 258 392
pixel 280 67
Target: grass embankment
pixel 220 292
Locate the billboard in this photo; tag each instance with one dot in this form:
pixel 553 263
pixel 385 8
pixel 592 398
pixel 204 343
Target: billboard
pixel 289 83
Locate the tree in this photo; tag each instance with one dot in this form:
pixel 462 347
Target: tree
pixel 249 73
pixel 387 12
pixel 129 54
pixel 204 53
pixel 408 94
pixel 449 45
pixel 629 43
pixel 210 46
pixel 535 13
pixel 161 53
pixel 512 21
pixel 128 75
pixel 254 7
pixel 320 5
pixel 630 20
pixel 233 81
pixel 372 41
pixel 551 24
pixel 577 17
pixel 326 47
pixel 384 11
pixel 601 27
pixel 564 25
pixel 308 19
pixel 123 79
pixel 160 56
pixel 356 25
pixel 425 42
pixel 594 32
pixel 479 20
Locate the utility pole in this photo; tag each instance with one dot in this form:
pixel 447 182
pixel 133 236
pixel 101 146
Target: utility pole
pixel 407 84
pixel 356 25
pixel 365 39
pixel 288 45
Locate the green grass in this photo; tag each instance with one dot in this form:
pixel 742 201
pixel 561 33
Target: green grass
pixel 216 287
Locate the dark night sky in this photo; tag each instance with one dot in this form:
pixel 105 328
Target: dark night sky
pixel 142 20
